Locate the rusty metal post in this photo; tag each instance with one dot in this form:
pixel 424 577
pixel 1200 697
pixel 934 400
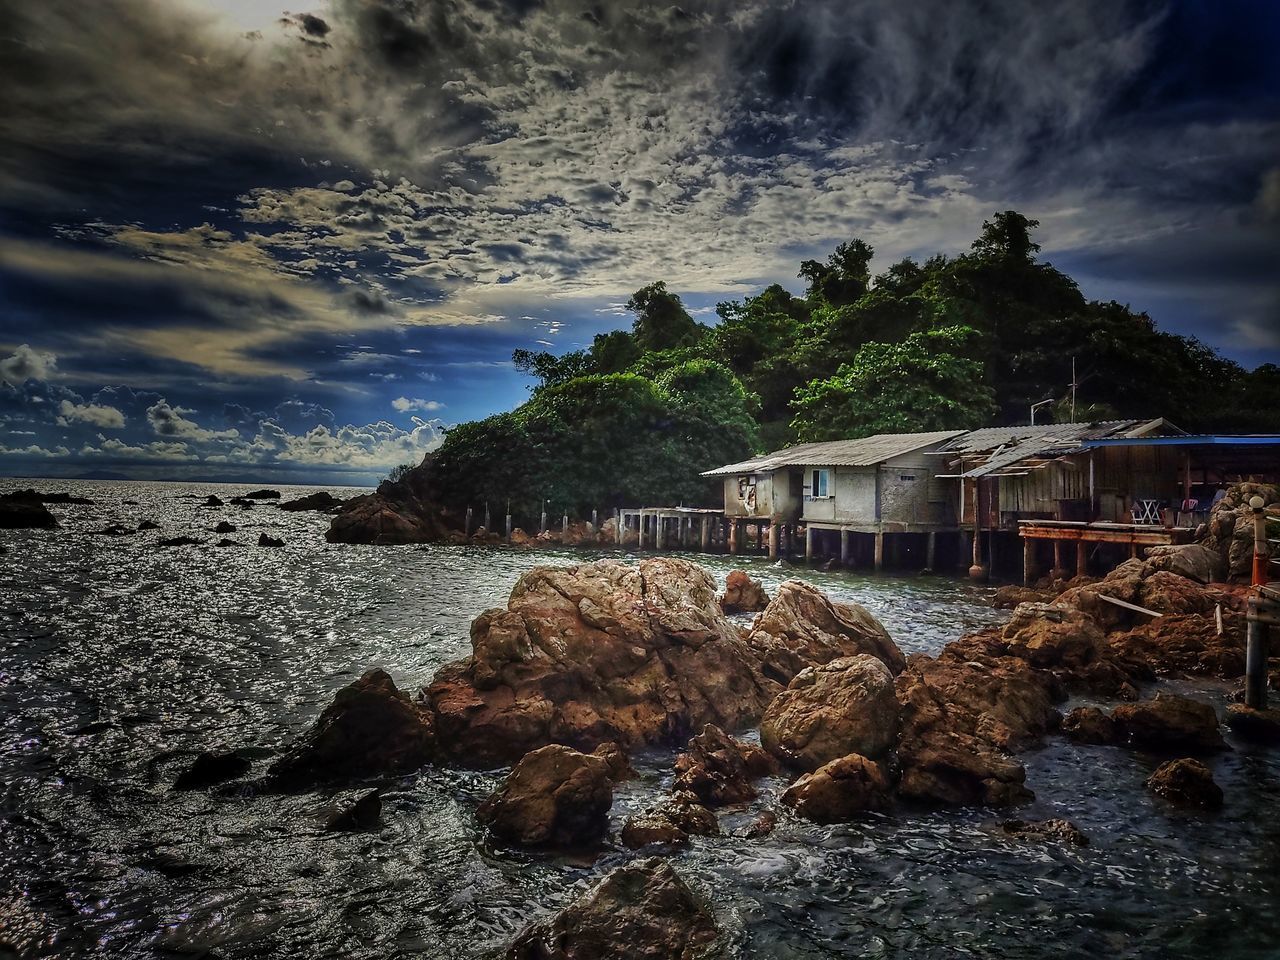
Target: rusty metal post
pixel 1261 555
pixel 1255 664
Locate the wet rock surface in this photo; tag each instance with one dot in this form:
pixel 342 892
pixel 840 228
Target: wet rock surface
pixel 1187 782
pixel 400 511
pixel 18 514
pixel 362 811
pixel 1170 722
pixel 554 797
pixel 370 729
pixel 840 790
pixel 210 768
pixel 605 651
pixel 641 911
pixel 720 770
pixel 1090 725
pixel 829 711
pixel 802 626
pixel 1053 831
pixel 323 500
pixel 742 594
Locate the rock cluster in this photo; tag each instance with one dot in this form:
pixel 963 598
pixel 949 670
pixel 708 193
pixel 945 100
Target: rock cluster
pixel 1230 527
pixel 18 512
pixel 323 500
pixel 720 770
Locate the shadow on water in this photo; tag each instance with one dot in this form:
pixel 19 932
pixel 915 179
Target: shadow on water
pixel 119 658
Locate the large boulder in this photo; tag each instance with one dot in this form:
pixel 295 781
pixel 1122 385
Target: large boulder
pixel 1011 595
pixel 962 716
pixel 840 790
pixel 719 770
pixel 829 711
pixel 1090 725
pixel 640 911
pixel 405 510
pixel 1071 646
pixel 802 627
pixel 1187 782
pixel 370 728
pixel 322 500
pixel 1169 722
pixel 742 594
pixel 1194 561
pixel 19 514
pixel 605 651
pixel 555 796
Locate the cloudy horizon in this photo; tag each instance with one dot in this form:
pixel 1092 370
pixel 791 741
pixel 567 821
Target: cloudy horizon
pixel 242 239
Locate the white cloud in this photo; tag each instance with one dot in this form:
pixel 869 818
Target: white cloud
pixel 170 421
pixel 26 364
pixel 405 404
pixel 91 413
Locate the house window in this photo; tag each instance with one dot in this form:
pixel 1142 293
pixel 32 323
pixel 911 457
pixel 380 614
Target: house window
pixel 906 477
pixel 821 484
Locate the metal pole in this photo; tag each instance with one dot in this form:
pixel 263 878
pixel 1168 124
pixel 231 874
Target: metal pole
pixel 1255 663
pixel 1261 555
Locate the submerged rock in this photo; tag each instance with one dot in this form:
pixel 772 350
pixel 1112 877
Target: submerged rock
pixel 719 770
pixel 212 501
pixel 1186 781
pixel 641 911
pixel 802 626
pixel 178 542
pixel 840 790
pixel 1169 722
pixel 148 525
pixel 370 728
pixel 360 812
pixel 25 515
pixel 36 496
pixel 555 796
pixel 323 500
pixel 1090 725
pixel 225 527
pixel 262 495
pixel 831 710
pixel 605 651
pixel 650 828
pixel 267 541
pixel 211 768
pixel 1260 725
pixel 742 594
pixel 1057 831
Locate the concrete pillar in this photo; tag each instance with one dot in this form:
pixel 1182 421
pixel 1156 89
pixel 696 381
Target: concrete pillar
pixel 542 527
pixel 879 556
pixel 1082 558
pixel 931 550
pixel 733 537
pixel 1028 561
pixel 508 528
pixel 1058 569
pixel 487 527
pixel 564 525
pixel 845 537
pixel 774 533
pixel 466 527
pixel 617 526
pixel 595 520
pixel 658 533
pixel 1133 549
pixel 706 534
pixel 975 569
pixel 808 542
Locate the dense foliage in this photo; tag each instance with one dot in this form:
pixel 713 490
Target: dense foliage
pixel 953 342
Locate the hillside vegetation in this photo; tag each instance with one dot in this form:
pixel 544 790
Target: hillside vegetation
pixel 954 342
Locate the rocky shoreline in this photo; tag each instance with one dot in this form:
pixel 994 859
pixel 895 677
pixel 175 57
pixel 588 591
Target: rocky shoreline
pixel 589 662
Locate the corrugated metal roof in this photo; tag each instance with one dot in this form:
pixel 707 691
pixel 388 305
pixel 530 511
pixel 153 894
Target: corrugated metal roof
pixel 993 438
pixel 864 452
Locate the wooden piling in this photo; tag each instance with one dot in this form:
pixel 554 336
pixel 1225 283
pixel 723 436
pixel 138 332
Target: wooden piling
pixel 808 543
pixel 931 550
pixel 733 537
pixel 879 551
pixel 845 547
pixel 1082 558
pixel 774 534
pixel 706 534
pixel 1028 561
pixel 466 527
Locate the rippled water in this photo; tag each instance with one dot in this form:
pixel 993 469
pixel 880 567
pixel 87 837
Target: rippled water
pixel 118 658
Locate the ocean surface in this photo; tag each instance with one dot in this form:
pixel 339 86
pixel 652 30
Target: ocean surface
pixel 119 659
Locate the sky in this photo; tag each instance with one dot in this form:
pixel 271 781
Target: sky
pixel 297 241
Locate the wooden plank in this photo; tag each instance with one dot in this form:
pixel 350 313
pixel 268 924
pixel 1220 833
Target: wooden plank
pixel 1129 606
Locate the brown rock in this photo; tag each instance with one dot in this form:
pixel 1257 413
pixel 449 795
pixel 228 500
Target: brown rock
pixel 1191 560
pixel 1090 725
pixel 1186 781
pixel 1057 831
pixel 641 911
pixel 370 728
pixel 742 594
pixel 1186 644
pixel 829 711
pixel 321 500
pixel 719 770
pixel 1230 527
pixel 360 812
pixel 1047 636
pixel 599 652
pixel 1011 595
pixel 1169 722
pixel 617 759
pixel 761 826
pixel 803 627
pixel 840 790
pixel 519 538
pixel 378 519
pixel 653 827
pixel 555 796
pixel 956 769
pixel 1259 725
pixel 673 822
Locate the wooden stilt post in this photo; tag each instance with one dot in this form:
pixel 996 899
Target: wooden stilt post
pixel 658 532
pixel 844 547
pixel 774 534
pixel 1256 630
pixel 706 534
pixel 808 543
pixel 1028 561
pixel 931 550
pixel 1058 569
pixel 879 551
pixel 975 568
pixel 733 537
pixel 1082 558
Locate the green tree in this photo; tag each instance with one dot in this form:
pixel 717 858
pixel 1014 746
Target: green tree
pixel 927 382
pixel 661 319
